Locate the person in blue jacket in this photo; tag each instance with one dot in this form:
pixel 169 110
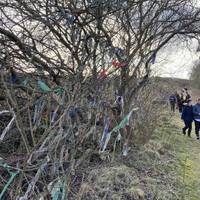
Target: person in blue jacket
pixel 187 117
pixel 196 113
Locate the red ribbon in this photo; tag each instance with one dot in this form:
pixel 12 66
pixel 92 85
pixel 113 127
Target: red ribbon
pixel 118 64
pixel 103 73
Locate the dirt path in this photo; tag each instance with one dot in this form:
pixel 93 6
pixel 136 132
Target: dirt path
pixel 188 150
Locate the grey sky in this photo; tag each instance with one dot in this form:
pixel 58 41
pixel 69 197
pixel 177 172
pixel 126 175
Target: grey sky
pixel 177 59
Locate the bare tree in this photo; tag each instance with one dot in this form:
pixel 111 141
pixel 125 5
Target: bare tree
pixel 67 37
pixel 78 48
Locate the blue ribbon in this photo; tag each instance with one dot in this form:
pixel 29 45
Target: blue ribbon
pixel 153 58
pixel 119 51
pixel 13 78
pixel 70 20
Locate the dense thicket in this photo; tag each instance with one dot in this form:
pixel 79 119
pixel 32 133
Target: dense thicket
pixel 72 75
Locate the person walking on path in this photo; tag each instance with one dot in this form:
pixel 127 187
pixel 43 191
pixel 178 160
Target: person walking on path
pixel 172 101
pixel 196 113
pixel 187 117
pixel 187 96
pixel 182 100
pixel 178 101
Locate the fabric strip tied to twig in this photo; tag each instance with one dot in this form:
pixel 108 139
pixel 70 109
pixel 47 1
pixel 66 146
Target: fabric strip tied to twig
pixel 8 127
pixel 12 176
pixel 121 125
pixel 43 87
pixel 105 131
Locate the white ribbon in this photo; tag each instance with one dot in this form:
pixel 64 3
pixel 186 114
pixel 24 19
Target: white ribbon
pixel 8 127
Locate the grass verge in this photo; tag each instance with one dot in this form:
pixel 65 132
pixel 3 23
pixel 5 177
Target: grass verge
pixel 166 168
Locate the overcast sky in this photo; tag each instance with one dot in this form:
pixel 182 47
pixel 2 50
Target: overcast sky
pixel 177 59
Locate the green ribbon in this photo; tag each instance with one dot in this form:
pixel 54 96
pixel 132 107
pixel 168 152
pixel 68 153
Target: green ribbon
pixel 121 125
pixel 43 87
pixel 59 91
pixel 25 82
pixel 64 188
pixel 13 175
pixel 55 196
pixel 59 187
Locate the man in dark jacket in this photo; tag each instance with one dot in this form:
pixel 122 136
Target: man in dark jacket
pixel 187 96
pixel 172 101
pixel 196 113
pixel 187 117
pixel 178 101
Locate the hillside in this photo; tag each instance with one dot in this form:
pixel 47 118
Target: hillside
pixel 166 168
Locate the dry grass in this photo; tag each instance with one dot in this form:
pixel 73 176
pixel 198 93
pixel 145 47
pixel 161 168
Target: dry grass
pixel 153 171
pixel 165 168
